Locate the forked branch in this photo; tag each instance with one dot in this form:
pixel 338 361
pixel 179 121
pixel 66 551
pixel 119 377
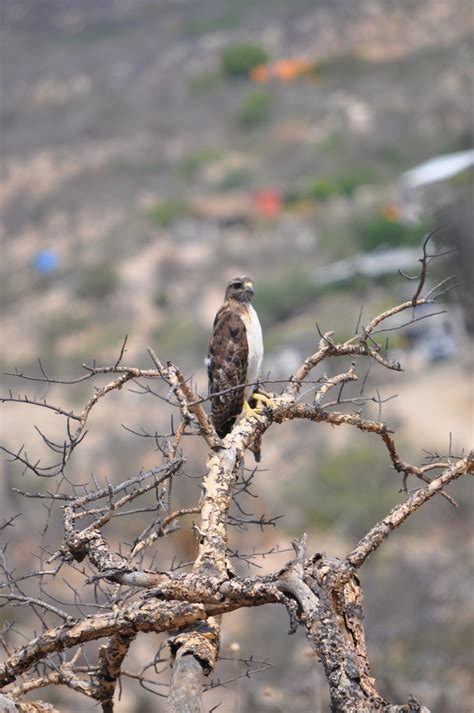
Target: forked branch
pixel 188 600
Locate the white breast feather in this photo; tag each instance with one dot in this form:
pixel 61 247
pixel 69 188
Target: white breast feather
pixel 255 345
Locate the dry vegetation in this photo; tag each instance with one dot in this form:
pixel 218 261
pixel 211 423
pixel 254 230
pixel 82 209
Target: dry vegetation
pixel 321 593
pixel 134 156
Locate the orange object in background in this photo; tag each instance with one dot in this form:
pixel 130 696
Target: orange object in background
pixel 391 212
pixel 260 74
pixel 269 202
pixel 287 70
pixel 284 70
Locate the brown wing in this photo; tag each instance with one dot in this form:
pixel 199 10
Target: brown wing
pixel 227 367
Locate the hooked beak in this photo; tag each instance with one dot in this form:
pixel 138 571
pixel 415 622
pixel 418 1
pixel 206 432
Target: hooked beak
pixel 248 286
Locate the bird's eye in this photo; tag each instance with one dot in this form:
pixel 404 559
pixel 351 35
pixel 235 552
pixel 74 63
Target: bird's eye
pixel 238 285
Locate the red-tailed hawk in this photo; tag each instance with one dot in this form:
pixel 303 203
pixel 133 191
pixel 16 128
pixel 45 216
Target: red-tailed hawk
pixel 235 354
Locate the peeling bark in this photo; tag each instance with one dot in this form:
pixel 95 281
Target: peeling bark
pixel 326 631
pixel 111 657
pixel 322 594
pixel 204 646
pixel 151 616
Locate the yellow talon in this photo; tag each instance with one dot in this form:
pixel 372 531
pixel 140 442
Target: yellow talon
pixel 257 412
pixel 257 396
pixel 249 411
pixel 263 402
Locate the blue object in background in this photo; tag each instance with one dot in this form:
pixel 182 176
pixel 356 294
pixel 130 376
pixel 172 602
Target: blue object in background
pixel 45 261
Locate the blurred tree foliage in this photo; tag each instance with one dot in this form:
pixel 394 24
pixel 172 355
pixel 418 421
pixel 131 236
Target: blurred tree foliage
pixel 195 160
pixel 59 324
pixel 183 336
pixel 293 291
pixel 239 177
pixel 160 298
pixel 238 60
pixel 166 212
pixel 280 298
pixel 381 232
pixel 341 493
pixel 255 109
pixel 97 281
pixel 342 185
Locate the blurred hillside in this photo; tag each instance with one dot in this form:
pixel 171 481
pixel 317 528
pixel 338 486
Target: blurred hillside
pixel 145 162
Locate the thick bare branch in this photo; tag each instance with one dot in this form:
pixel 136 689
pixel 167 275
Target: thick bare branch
pixel 111 657
pixel 322 594
pixel 186 684
pixel 285 408
pixel 351 689
pixel 400 513
pixel 139 617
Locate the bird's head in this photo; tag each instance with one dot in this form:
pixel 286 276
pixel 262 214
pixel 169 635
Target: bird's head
pixel 240 288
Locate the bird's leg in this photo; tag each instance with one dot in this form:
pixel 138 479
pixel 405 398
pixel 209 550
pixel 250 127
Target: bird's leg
pixel 255 412
pixel 262 401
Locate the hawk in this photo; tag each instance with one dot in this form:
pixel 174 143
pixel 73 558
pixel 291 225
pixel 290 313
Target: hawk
pixel 235 355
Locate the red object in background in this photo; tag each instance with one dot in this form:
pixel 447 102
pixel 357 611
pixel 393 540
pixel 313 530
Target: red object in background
pixel 269 202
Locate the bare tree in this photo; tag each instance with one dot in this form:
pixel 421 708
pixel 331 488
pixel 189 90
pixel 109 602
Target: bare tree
pixel 322 594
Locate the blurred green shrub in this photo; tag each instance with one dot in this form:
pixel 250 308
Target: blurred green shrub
pixel 380 232
pixel 343 185
pixel 160 298
pixel 97 281
pixel 181 340
pixel 337 243
pixel 284 296
pixel 166 212
pixel 332 142
pixel 238 60
pixel 347 491
pixel 349 182
pixel 235 178
pixel 255 109
pixel 59 324
pixel 193 161
pixel 322 189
